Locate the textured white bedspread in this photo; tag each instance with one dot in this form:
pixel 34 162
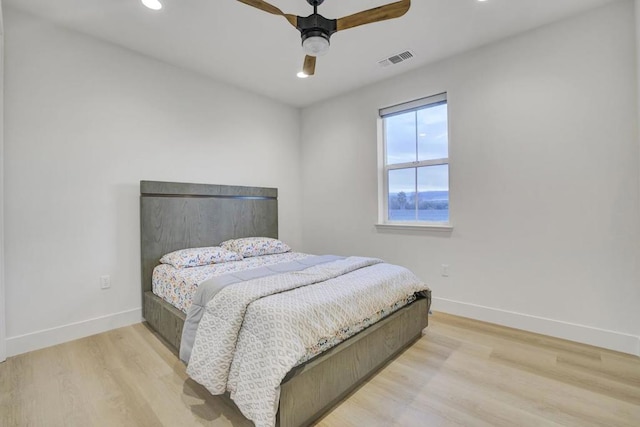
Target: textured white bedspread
pixel 252 333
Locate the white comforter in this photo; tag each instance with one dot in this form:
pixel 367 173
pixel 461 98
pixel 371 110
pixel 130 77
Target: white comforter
pixel 254 332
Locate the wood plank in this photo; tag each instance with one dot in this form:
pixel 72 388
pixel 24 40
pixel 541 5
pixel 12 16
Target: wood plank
pixel 165 318
pixel 162 188
pixel 318 385
pixel 450 376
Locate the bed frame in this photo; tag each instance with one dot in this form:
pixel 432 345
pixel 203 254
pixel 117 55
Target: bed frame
pixel 176 216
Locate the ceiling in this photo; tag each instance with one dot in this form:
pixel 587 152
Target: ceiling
pixel 246 47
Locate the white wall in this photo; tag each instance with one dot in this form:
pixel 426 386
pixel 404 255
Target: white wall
pixel 3 346
pixel 85 122
pixel 544 181
pixel 637 7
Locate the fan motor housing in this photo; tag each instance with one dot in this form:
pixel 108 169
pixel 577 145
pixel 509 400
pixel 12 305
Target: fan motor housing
pixel 316 23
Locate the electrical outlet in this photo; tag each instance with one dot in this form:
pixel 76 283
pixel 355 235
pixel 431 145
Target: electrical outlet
pixel 105 282
pixel 444 270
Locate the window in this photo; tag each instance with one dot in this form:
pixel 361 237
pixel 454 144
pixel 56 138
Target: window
pixel 416 162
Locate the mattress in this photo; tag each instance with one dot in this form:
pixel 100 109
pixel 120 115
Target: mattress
pixel 178 285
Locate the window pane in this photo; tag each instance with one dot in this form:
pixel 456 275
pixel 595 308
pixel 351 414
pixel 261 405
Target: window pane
pixel 400 137
pixel 402 190
pixel 433 133
pixel 433 193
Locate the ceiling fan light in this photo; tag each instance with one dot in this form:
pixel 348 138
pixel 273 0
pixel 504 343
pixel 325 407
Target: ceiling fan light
pixel 152 4
pixel 316 45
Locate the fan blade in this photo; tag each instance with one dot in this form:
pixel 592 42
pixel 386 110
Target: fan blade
pixel 263 5
pixel 309 67
pixel 382 13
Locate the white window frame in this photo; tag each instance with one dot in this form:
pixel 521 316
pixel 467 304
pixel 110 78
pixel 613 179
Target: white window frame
pixel 383 168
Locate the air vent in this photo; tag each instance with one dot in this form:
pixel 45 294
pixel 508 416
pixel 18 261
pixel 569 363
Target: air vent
pixel 396 59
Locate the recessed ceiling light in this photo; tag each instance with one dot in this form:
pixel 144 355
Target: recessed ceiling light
pixel 152 4
pixel 302 75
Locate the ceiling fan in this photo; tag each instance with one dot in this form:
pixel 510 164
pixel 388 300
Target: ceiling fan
pixel 316 30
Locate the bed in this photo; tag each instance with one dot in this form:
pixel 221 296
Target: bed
pixel 177 215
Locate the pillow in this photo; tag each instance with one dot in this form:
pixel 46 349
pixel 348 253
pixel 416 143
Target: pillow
pixel 256 246
pixel 195 257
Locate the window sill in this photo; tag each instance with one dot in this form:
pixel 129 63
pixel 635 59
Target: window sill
pixel 415 227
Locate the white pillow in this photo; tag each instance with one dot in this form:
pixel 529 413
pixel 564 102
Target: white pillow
pixel 256 246
pixel 195 257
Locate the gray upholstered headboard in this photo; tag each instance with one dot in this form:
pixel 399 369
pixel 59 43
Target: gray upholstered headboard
pixel 177 215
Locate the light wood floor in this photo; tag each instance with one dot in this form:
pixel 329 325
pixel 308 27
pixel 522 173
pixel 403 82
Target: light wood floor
pixel 461 372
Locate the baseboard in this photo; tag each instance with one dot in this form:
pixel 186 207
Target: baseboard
pixel 603 338
pixel 612 340
pixel 48 337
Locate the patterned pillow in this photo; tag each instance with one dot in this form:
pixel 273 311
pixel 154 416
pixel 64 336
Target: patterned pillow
pixel 256 246
pixel 195 257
